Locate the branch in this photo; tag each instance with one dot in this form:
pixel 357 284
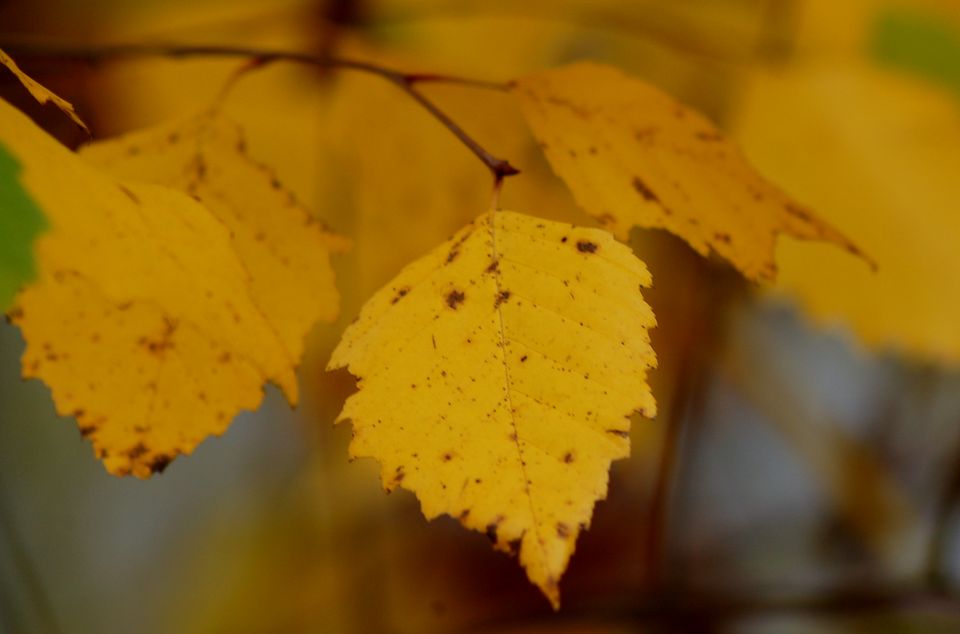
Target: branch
pixel 407 82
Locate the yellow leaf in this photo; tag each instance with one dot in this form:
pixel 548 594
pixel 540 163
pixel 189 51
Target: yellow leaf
pixel 633 156
pixel 141 320
pixel 286 252
pixel 878 153
pixel 40 92
pixel 497 376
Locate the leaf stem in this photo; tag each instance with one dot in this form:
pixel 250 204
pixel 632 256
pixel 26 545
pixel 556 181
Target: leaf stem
pixel 500 168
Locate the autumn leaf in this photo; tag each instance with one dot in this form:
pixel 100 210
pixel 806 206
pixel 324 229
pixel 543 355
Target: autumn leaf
pixel 633 156
pixel 902 205
pixel 497 376
pixel 141 320
pixel 39 92
pixel 20 223
pixel 285 250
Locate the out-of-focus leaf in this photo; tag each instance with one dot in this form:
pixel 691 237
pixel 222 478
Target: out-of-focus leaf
pixel 285 250
pixel 40 92
pixel 20 223
pixel 877 154
pixel 141 320
pixel 922 43
pixel 634 156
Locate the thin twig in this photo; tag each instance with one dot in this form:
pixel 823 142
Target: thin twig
pixel 407 82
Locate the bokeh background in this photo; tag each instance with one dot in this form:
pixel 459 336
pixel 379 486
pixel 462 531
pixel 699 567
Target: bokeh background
pixel 803 473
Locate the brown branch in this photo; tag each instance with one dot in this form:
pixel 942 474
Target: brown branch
pixel 407 82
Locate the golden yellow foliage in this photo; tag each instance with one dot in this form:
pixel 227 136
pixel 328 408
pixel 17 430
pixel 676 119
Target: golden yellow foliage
pixel 633 156
pixel 141 320
pixel 286 252
pixel 497 376
pixel 902 205
pixel 39 92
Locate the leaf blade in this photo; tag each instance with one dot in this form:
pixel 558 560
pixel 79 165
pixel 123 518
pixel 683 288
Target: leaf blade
pixel 468 341
pixel 633 156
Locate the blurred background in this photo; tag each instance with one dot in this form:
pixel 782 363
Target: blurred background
pixel 804 471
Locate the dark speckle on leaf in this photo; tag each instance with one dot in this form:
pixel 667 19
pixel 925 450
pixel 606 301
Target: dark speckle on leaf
pixel 159 463
pixel 455 298
pixel 643 190
pixel 585 246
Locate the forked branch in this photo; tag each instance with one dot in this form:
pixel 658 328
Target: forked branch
pixel 407 82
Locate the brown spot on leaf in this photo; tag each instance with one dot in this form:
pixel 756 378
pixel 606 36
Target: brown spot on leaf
pixel 86 430
pixel 448 456
pixel 464 514
pixel 494 267
pixel 401 293
pixel 563 531
pixel 502 297
pixel 643 190
pixel 523 359
pixel 607 219
pixel 136 451
pixel 645 135
pixel 129 194
pixel 722 237
pixel 619 432
pixel 585 246
pixel 159 464
pixel 797 211
pixel 455 298
pixel 568 457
